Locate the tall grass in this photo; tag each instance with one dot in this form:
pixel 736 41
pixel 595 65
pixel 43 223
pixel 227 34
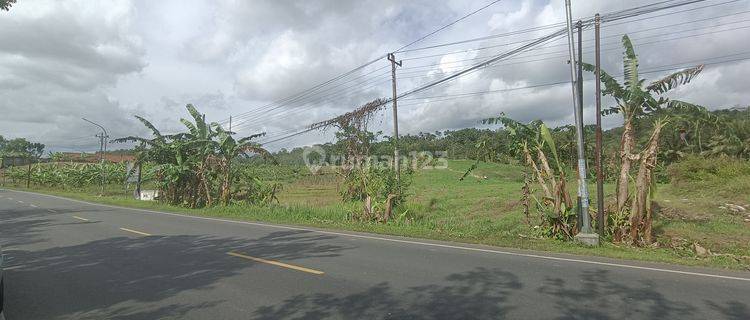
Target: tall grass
pixel 720 176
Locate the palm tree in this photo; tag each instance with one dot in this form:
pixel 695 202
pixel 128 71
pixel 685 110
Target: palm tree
pixel 634 100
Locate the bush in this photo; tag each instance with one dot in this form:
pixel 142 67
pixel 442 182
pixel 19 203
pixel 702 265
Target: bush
pixel 375 181
pixel 376 185
pixel 248 188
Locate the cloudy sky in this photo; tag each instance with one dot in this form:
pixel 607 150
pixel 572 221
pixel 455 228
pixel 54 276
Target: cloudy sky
pixel 110 60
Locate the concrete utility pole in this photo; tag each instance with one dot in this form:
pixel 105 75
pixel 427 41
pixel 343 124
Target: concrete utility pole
pixel 585 235
pixel 396 157
pixel 600 221
pixel 103 136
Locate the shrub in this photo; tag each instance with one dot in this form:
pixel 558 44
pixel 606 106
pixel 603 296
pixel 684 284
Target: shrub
pixel 377 186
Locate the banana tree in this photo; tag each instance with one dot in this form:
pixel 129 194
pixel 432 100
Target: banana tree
pixel 635 100
pixel 227 149
pixel 533 142
pixel 200 139
pixel 156 149
pixel 190 164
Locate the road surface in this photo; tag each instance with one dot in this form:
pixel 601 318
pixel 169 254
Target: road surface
pixel 68 259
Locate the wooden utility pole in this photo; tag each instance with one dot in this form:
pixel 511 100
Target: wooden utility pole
pixel 600 220
pixel 394 63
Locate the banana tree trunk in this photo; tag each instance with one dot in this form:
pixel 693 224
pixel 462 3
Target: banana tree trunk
pixel 640 215
pixel 204 182
pixel 627 144
pixel 226 185
pixel 537 173
pixel 698 136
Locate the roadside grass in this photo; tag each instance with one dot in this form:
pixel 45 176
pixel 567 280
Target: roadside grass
pixel 484 208
pixel 694 206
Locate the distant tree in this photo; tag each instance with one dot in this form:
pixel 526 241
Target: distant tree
pixel 20 147
pixel 6 4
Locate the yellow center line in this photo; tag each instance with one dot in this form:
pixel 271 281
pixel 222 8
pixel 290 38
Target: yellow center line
pixel 50 210
pixel 135 231
pixel 19 201
pixel 33 206
pixel 276 263
pixel 79 218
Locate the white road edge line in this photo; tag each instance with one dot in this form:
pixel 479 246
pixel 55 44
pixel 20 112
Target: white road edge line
pixel 518 254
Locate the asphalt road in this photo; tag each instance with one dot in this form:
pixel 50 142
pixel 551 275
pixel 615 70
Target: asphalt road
pixel 72 260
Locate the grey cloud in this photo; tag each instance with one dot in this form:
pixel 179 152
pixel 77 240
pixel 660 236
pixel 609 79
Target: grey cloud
pixel 231 56
pixel 717 86
pixel 57 58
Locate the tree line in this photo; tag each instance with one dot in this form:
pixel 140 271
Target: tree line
pixel 691 131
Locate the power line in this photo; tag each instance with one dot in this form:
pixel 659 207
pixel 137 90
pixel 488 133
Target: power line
pixel 611 36
pixel 562 56
pixel 370 84
pixel 615 16
pixel 553 25
pixel 662 68
pixel 612 17
pixel 448 78
pixel 547 27
pixel 301 94
pixel 250 118
pixel 446 26
pixel 605 45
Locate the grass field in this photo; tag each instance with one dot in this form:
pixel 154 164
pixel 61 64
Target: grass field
pixel 484 208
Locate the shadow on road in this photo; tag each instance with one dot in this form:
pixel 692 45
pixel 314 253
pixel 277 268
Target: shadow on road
pixel 27 225
pixel 733 310
pixel 23 226
pixel 477 294
pixel 134 278
pixel 595 296
pixel 497 294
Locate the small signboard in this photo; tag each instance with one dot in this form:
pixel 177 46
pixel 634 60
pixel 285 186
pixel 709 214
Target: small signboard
pixel 131 174
pixel 149 195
